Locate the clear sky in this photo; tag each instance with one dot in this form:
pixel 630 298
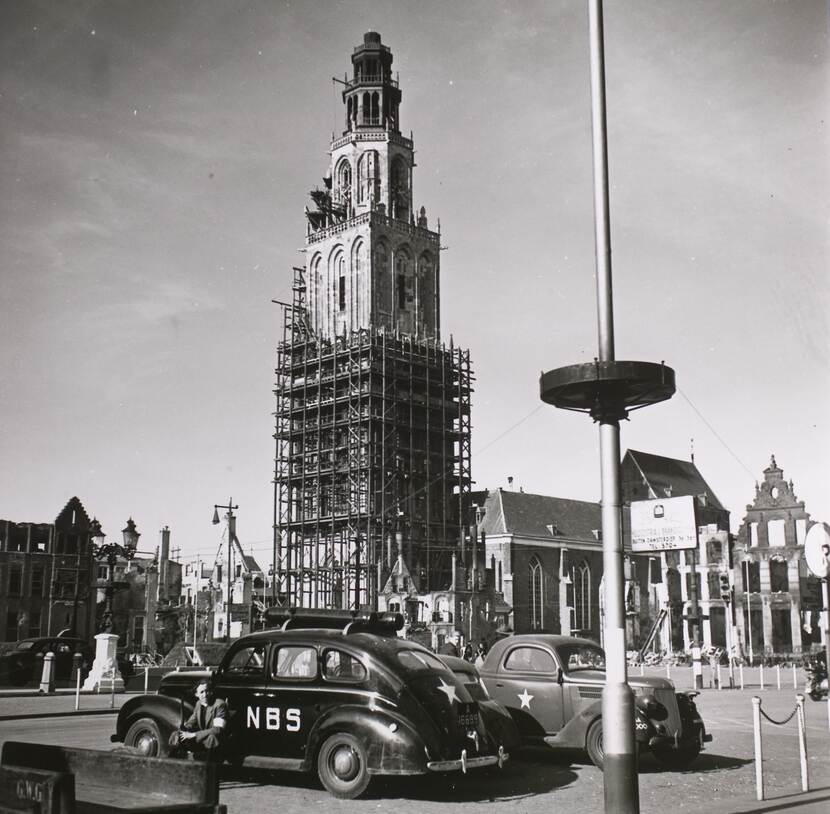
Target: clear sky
pixel 155 159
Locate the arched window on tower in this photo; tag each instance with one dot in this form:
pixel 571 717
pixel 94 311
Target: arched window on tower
pixel 582 597
pixel 368 182
pixel 399 192
pixel 366 108
pixel 375 108
pixel 343 174
pixel 535 593
pixel 402 281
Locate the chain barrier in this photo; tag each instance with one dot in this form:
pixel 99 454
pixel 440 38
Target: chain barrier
pixel 757 714
pixel 780 723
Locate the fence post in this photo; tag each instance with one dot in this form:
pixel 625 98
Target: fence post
pixel 717 667
pixel 146 679
pixel 778 675
pixel 795 681
pixel 761 668
pixel 759 753
pixel 668 671
pixel 741 674
pixel 802 742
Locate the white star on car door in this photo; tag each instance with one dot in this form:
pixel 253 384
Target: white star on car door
pixel 524 697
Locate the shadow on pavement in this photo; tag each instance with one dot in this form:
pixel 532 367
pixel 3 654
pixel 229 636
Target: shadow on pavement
pixel 705 763
pixel 516 781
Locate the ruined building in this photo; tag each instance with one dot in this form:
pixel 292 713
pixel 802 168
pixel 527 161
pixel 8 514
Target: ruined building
pixel 372 470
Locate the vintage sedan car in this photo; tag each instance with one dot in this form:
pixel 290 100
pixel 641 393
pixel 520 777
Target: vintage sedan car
pixel 24 664
pixel 552 686
pixel 337 693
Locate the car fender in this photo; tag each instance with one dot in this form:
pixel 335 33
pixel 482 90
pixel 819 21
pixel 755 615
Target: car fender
pixel 392 744
pixel 574 732
pixel 169 713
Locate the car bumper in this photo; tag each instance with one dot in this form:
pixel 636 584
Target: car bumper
pixel 694 734
pixel 463 762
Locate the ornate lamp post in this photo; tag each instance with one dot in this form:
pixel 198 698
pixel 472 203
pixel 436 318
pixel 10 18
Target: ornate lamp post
pixel 111 552
pixel 104 674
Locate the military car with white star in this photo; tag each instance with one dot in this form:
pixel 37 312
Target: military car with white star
pixel 552 686
pixel 336 693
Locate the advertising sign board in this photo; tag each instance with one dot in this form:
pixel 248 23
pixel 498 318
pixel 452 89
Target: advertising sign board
pixel 817 551
pixel 663 525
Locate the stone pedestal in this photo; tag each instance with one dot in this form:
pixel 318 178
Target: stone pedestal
pixel 104 675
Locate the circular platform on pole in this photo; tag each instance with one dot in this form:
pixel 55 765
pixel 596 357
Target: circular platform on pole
pixel 607 390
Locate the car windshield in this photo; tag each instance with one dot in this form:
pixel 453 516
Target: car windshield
pixel 25 645
pixel 581 657
pixel 414 660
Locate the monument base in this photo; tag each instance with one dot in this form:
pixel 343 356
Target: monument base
pixel 104 675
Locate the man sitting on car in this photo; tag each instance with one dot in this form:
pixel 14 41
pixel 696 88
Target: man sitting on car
pixel 202 732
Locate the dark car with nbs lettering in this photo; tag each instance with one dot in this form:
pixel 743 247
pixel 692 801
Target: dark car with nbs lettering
pixel 552 686
pixel 339 694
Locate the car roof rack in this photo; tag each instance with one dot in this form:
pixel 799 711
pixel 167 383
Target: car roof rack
pixel 384 624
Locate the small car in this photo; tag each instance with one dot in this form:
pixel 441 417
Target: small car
pixel 552 686
pixel 24 664
pixel 335 692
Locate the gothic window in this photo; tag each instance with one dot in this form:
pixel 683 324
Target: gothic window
pixel 375 108
pixel 366 109
pixel 341 292
pixel 582 597
pixel 344 180
pixel 778 578
pixel 368 180
pixel 399 192
pixel 402 281
pixel 535 586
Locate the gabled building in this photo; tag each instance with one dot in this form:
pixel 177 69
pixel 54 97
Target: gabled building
pixel 46 575
pixel 645 476
pixel 777 600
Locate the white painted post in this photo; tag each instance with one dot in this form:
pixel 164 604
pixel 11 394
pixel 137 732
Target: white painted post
pixel 778 675
pixel 47 677
pixel 759 752
pixel 668 671
pixel 741 674
pixel 761 673
pixel 795 681
pixel 112 692
pixel 642 669
pixel 77 690
pixel 146 679
pixel 720 686
pixel 802 742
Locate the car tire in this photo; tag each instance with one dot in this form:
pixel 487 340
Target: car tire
pixel 342 766
pixel 147 738
pixel 593 743
pixel 678 759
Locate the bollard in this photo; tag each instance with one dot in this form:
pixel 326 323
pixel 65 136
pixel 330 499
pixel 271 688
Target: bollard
pixel 112 690
pixel 778 675
pixel 802 743
pixel 47 677
pixel 642 669
pixel 668 671
pixel 761 674
pixel 720 686
pixel 77 690
pixel 146 679
pixel 795 683
pixel 77 663
pixel 741 674
pixel 759 753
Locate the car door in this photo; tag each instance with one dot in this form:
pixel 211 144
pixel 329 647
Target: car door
pixel 529 684
pixel 295 698
pixel 242 681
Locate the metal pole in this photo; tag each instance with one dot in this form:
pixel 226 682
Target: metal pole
pixel 802 743
pixel 759 751
pixel 620 763
pixel 694 612
pixel 230 566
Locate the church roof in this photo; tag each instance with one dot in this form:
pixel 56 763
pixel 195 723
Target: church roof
pixel 529 515
pixel 671 477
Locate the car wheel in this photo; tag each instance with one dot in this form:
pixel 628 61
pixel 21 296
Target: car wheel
pixel 593 743
pixel 145 736
pixel 678 759
pixel 342 766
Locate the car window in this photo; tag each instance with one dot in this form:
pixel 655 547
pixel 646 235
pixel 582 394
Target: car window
pixel 296 661
pixel 340 666
pixel 25 645
pixel 247 660
pixel 530 660
pixel 582 657
pixel 420 660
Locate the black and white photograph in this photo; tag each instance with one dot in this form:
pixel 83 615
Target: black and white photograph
pixel 414 406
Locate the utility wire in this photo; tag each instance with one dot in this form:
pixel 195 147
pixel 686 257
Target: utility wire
pixel 715 433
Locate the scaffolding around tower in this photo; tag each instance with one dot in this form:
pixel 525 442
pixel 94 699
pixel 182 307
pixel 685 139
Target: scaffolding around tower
pixel 372 461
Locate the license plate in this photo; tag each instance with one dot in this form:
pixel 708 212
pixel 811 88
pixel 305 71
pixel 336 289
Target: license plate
pixel 468 715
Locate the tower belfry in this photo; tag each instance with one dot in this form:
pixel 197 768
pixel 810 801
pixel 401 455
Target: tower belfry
pixel 373 412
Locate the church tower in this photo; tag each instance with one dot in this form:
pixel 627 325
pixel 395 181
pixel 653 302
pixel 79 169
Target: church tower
pixel 372 467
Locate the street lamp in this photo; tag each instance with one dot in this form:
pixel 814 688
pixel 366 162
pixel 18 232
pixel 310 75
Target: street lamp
pixel 111 552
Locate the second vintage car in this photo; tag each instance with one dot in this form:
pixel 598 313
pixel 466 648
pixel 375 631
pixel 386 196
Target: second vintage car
pixel 335 693
pixel 552 686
